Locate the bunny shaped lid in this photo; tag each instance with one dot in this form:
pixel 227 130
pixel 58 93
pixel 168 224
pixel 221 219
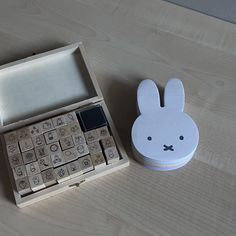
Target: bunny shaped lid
pixel 163 137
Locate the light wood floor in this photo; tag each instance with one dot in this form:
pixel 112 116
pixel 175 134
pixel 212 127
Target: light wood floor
pixel 128 41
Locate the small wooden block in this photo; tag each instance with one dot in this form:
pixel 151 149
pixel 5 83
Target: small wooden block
pixel 26 144
pixel 71 117
pixel 28 156
pixel 74 169
pixel 91 136
pixel 10 137
pixel 98 160
pixel 23 186
pixel 63 131
pixel 41 151
pixel 86 164
pixel 23 133
pixel 79 139
pixel 94 148
pixel 82 150
pixel 59 121
pixel 36 182
pixel 57 159
pixel 62 174
pixel 108 142
pixel 49 177
pixel 112 155
pixel 45 163
pixel 74 128
pixel 46 125
pixel 32 168
pixel 19 172
pixel 35 129
pixel 66 143
pixel 13 149
pixel 38 140
pixel 54 148
pixel 103 132
pixel 70 154
pixel 51 136
pixel 16 160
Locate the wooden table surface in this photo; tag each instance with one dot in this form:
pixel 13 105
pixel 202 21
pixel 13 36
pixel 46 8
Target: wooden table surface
pixel 128 41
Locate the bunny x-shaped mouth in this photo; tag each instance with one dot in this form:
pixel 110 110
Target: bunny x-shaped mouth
pixel 168 148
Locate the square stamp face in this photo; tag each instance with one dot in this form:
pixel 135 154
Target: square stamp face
pixel 70 154
pixel 26 144
pixel 45 163
pixel 49 177
pixel 59 121
pixel 15 160
pixel 13 149
pixel 85 163
pixel 57 159
pixel 91 136
pixel 79 139
pixel 28 156
pixel 11 137
pixel 103 132
pixel 74 169
pixel 98 160
pixel 112 155
pixel 71 117
pixel 46 125
pixel 62 174
pixel 82 150
pixel 41 151
pixel 35 129
pixel 63 131
pixel 66 143
pixel 36 182
pixel 38 140
pixel 54 148
pixel 51 136
pixel 74 128
pixel 19 172
pixel 23 186
pixel 94 148
pixel 108 142
pixel 23 133
pixel 32 168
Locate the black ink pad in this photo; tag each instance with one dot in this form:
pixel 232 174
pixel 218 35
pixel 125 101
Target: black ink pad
pixel 92 118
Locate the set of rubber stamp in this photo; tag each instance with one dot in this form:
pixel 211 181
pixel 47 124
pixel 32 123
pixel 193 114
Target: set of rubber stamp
pixel 56 152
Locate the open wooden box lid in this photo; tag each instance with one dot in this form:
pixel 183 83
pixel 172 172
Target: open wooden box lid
pixel 44 85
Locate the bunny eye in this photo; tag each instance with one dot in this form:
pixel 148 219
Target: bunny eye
pixel 181 137
pixel 149 138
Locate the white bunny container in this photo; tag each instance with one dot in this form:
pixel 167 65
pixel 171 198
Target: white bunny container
pixel 163 138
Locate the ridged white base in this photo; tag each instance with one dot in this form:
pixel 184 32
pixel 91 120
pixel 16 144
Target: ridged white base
pixel 155 165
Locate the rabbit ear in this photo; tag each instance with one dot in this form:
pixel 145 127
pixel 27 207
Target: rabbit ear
pixel 148 97
pixel 174 95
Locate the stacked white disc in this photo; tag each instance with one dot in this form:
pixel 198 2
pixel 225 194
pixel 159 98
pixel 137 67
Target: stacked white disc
pixel 163 138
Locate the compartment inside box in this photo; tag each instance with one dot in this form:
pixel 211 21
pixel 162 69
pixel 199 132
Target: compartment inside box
pixel 43 83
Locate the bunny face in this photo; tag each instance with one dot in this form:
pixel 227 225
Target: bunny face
pixel 163 135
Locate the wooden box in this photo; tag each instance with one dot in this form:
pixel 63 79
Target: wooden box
pixel 44 86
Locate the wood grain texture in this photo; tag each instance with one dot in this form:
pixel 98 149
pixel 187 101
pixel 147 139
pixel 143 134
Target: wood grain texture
pixel 127 41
